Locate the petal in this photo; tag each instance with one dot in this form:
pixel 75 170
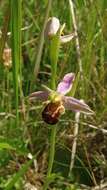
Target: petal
pixel 67 38
pixel 71 103
pixel 39 95
pixel 66 84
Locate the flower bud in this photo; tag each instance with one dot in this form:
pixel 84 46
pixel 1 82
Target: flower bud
pixel 52 27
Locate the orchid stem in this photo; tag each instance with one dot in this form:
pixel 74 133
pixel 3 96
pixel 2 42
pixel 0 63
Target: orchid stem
pixel 52 149
pixel 51 157
pixel 54 52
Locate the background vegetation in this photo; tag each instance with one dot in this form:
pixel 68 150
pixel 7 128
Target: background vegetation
pixel 24 137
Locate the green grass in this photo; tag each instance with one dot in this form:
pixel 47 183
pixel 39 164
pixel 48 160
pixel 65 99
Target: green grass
pixel 22 129
pixel 15 23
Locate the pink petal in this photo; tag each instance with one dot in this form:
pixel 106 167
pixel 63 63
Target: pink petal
pixel 66 84
pixel 39 95
pixel 73 104
pixel 67 38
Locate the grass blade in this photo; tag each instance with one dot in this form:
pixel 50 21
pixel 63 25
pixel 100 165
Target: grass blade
pixel 16 47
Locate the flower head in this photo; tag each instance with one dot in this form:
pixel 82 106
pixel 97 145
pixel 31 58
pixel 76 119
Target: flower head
pixel 52 27
pixel 57 102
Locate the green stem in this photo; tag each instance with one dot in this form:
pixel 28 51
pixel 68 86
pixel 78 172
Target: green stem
pixel 52 149
pixel 40 47
pixel 51 157
pixel 54 52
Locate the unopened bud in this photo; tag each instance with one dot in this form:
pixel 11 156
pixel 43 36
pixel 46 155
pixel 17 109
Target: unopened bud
pixel 52 27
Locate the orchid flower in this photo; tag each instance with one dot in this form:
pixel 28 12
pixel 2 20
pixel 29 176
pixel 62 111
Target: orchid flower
pixel 52 27
pixel 57 102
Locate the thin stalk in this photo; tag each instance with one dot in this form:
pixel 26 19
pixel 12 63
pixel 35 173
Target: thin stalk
pixel 76 129
pixel 51 157
pixel 41 42
pixel 16 48
pixel 76 34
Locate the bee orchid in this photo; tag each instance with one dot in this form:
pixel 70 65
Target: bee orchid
pixel 57 102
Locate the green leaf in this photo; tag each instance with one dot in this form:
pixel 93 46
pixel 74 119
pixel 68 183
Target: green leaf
pixel 6 146
pixel 16 48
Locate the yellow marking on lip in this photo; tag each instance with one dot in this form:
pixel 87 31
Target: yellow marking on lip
pixel 60 109
pixel 55 97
